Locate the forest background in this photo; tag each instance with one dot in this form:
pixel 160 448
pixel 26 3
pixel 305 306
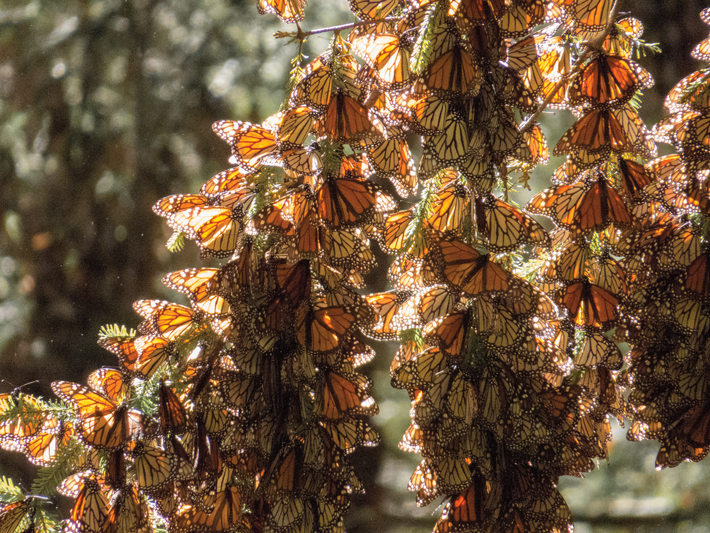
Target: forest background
pixel 106 106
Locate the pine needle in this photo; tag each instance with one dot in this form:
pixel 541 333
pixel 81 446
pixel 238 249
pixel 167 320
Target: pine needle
pixel 9 492
pixel 176 242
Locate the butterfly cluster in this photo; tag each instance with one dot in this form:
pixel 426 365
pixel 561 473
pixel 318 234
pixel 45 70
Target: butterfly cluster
pixel 667 257
pixel 237 412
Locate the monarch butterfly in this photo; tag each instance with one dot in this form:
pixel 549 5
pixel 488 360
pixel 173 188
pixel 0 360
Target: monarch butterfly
pixel 534 150
pixel 345 201
pixel 292 126
pixel 290 11
pixel 301 160
pixel 607 81
pixel 701 52
pixel 409 274
pixel 345 120
pixel 698 276
pixel 322 328
pixel 412 440
pixel 152 351
pixel 673 129
pixel 288 512
pixel 675 449
pixel 251 145
pixel 622 38
pixel 243 394
pixel 698 135
pixel 453 72
pixel 692 385
pixel 669 170
pixel 423 482
pixel 420 370
pixel 505 139
pixel 448 209
pixel 695 425
pixel 309 235
pixel 592 14
pixel 428 112
pixel 172 204
pixel 216 230
pixel 197 284
pixel 557 94
pixel 205 452
pixel 356 352
pixel 689 316
pixel 506 227
pixel 450 145
pixel 392 159
pixel 173 417
pixel 42 448
pixel 349 252
pixel 316 86
pixel 429 405
pixel 593 136
pixel 340 396
pixel 589 305
pixel 690 93
pixel 123 348
pixel 479 170
pixel 571 264
pixel 636 131
pixel 154 468
pixel 166 319
pixel 634 177
pixel 520 17
pixel 271 217
pixel 347 434
pixel 286 474
pixel 109 382
pixel 90 509
pixel 104 423
pixel 498 326
pixel 453 472
pixel 293 280
pixel 608 274
pixel 72 485
pixel 425 306
pixel 401 235
pixel 693 197
pixel 115 473
pixel 464 267
pixel 477 11
pixel 386 54
pixel 582 207
pixel 386 306
pixel 373 9
pixel 12 515
pixel 555 61
pixel 14 430
pixel 465 507
pixel 407 351
pixel 449 332
pixel 225 181
pixel 561 404
pixel 128 512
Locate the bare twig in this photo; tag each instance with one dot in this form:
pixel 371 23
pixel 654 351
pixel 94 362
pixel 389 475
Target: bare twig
pixel 301 35
pixel 592 46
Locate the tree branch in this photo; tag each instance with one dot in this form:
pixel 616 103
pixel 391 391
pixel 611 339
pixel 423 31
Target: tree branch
pixel 301 35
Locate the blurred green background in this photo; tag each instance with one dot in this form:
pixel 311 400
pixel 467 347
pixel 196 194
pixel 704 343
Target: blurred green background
pixel 106 107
